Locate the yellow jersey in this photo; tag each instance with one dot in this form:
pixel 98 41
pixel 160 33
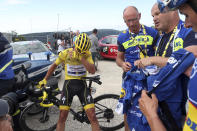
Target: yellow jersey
pixel 74 69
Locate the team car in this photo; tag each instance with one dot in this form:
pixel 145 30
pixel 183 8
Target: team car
pixel 39 56
pixel 108 46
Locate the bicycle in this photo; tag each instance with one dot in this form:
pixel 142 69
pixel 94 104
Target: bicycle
pixel 18 98
pixel 47 120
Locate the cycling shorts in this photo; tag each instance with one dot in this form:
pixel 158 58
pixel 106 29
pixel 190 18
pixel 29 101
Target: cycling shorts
pixel 76 87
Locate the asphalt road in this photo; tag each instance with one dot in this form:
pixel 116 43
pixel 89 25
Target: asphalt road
pixel 111 83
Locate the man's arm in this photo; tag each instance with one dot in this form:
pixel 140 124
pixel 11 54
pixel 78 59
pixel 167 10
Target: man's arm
pixel 161 61
pixel 120 61
pixel 192 49
pixel 154 60
pixel 149 107
pixel 50 71
pixel 89 67
pixel 120 58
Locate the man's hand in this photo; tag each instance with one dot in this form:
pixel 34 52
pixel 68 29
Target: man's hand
pixel 126 66
pixel 42 83
pixel 148 105
pixel 6 123
pixel 142 63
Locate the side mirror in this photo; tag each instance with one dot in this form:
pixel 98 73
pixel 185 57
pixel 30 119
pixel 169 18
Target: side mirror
pixel 48 54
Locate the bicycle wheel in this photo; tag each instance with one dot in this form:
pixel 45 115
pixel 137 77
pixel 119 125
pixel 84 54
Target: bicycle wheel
pixel 42 121
pixel 35 109
pixel 96 62
pixel 105 106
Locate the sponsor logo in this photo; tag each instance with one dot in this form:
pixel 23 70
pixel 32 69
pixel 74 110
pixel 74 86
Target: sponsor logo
pixel 134 51
pixel 137 87
pixel 105 49
pixel 122 93
pixel 194 70
pixel 89 98
pixel 63 99
pixel 156 83
pixel 172 60
pixel 191 124
pixel 135 113
pixel 113 50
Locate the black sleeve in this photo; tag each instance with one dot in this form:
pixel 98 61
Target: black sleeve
pixel 120 47
pixel 191 39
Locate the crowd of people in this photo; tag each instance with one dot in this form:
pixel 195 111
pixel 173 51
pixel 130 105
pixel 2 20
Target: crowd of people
pixel 154 63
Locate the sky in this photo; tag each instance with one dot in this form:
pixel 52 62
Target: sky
pixel 32 16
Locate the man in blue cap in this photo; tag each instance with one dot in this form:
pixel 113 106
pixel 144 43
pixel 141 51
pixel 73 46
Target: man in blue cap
pixel 149 106
pixel 5 119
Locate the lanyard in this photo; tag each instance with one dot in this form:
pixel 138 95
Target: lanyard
pixel 138 45
pixel 167 45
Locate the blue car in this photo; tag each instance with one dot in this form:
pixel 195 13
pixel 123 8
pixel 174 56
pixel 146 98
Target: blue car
pixel 38 54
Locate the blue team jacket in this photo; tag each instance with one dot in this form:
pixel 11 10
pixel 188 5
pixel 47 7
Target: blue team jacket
pixel 167 89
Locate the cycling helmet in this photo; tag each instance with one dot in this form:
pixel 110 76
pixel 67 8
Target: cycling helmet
pixel 173 4
pixel 82 43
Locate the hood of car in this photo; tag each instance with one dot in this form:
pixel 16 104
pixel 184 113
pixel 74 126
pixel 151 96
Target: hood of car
pixel 36 56
pixel 38 69
pixel 39 64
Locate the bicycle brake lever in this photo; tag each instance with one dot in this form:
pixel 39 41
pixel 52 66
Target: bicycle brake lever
pixel 98 82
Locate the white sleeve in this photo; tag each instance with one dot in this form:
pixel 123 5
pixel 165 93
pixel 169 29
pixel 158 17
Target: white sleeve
pixel 59 42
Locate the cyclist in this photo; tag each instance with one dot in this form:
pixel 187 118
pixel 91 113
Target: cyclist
pixel 6 72
pixel 138 41
pixel 78 61
pixel 149 106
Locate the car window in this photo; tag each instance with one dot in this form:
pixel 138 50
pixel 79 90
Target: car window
pixel 114 40
pixel 109 40
pixel 34 47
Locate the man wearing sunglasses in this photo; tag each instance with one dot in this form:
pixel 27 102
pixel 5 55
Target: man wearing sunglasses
pixel 138 41
pixel 78 61
pixel 149 106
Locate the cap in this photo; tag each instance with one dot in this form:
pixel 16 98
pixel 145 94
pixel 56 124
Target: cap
pixel 171 4
pixel 4 107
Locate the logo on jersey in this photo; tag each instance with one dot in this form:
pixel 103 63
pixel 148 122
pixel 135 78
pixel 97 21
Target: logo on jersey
pixel 122 93
pixel 63 99
pixel 172 60
pixel 194 69
pixel 191 124
pixel 89 98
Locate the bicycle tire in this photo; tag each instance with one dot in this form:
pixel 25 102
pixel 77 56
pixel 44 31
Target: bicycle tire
pixel 108 119
pixel 36 109
pixel 35 123
pixel 96 62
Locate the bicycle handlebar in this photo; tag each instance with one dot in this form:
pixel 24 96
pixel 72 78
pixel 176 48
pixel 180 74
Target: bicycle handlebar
pixel 43 98
pixel 95 79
